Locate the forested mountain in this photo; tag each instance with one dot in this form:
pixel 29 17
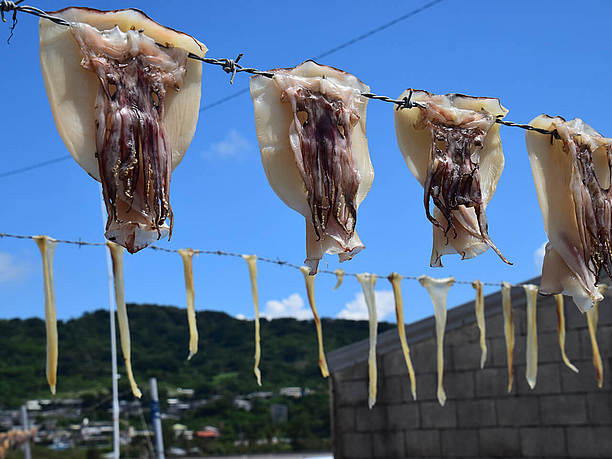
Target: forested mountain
pixel 223 364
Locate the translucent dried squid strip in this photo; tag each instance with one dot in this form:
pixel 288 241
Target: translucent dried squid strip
pixel 116 252
pixel 561 332
pixel 252 264
pixel 438 291
pixel 309 279
pixel 367 282
pixel 531 373
pixel 592 316
pixel 187 256
pixel 339 278
pixel 46 245
pixel 396 280
pixel 480 320
pixel 508 331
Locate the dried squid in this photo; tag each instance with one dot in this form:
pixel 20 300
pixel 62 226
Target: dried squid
pixel 480 320
pixel 116 252
pixel 451 144
pixel 592 316
pixel 561 332
pixel 125 100
pixel 187 257
pixel 531 370
pixel 438 291
pixel 252 265
pixel 310 123
pixel 309 280
pixel 396 280
pixel 46 245
pixel 572 178
pixel 508 331
pixel 368 281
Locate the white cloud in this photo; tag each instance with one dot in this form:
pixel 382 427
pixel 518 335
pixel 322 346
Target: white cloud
pixel 292 306
pixel 11 269
pixel 538 256
pixel 358 310
pixel 232 146
pixel 241 317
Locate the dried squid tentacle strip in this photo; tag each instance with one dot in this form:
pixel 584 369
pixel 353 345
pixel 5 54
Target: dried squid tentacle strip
pixel 561 332
pixel 46 245
pixel 592 316
pixel 367 282
pixel 309 280
pixel 508 331
pixel 339 278
pixel 396 280
pixel 187 257
pixel 438 291
pixel 531 372
pixel 480 320
pixel 116 252
pixel 252 265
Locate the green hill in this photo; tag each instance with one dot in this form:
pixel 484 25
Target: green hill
pixel 159 348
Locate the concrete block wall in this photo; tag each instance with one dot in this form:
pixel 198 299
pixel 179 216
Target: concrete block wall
pixel 565 415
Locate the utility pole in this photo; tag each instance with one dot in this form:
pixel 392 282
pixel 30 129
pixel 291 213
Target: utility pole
pixel 113 340
pixel 156 420
pixel 27 454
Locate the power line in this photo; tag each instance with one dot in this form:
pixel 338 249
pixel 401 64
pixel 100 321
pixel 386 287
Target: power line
pixel 346 44
pixel 34 166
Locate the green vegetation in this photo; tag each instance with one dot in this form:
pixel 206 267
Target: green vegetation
pixel 222 369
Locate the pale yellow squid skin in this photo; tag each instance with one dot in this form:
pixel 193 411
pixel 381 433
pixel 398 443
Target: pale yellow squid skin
pixel 561 332
pixel 252 265
pixel 480 319
pixel 339 278
pixel 47 245
pixel 508 331
pixel 592 317
pixel 531 371
pixel 309 280
pixel 368 281
pixel 116 252
pixel 438 291
pixel 396 280
pixel 187 257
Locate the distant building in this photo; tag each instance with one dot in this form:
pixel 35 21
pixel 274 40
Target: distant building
pixel 565 415
pixel 295 392
pixel 279 413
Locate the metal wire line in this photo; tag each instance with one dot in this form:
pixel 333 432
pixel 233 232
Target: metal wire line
pixel 223 253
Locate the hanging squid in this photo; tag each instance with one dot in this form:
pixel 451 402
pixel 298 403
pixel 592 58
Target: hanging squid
pixel 571 170
pixel 368 281
pixel 396 280
pixel 309 280
pixel 339 278
pixel 116 252
pixel 480 320
pixel 531 372
pixel 310 123
pixel 125 99
pixel 592 316
pixel 451 144
pixel 187 257
pixel 438 291
pixel 252 264
pixel 561 332
pixel 46 245
pixel 508 331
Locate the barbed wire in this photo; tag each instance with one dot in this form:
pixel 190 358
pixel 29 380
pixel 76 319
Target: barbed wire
pixel 232 67
pixel 224 253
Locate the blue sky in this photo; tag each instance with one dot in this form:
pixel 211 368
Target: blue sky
pixel 537 57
